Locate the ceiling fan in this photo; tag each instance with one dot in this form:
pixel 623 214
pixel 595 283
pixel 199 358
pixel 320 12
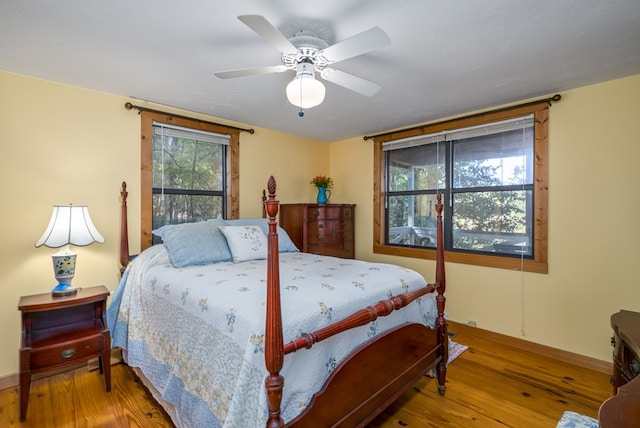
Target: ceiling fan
pixel 306 53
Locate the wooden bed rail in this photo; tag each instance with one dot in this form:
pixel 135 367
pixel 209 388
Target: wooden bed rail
pixel 357 319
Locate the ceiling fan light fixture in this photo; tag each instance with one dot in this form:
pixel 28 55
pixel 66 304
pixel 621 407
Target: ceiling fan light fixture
pixel 304 90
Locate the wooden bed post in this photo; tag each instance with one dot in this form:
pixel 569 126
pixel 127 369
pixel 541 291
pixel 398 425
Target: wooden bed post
pixel 274 342
pixel 124 231
pixel 441 281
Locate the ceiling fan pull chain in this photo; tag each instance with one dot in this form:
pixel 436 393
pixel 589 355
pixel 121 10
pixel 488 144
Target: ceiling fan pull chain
pixel 301 112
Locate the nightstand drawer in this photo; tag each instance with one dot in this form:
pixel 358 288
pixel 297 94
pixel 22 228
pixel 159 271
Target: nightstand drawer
pixel 68 352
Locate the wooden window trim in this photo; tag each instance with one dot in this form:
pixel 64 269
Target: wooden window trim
pixel 539 263
pixel 146 182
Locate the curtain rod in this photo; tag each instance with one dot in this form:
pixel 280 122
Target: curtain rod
pixel 140 109
pixel 549 100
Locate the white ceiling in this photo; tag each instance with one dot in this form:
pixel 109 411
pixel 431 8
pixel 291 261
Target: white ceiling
pixel 446 57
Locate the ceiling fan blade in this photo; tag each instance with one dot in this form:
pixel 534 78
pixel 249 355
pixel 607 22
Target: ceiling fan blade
pixel 260 25
pixel 367 41
pixel 250 71
pixel 351 82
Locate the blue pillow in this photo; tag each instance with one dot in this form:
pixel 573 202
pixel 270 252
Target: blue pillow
pixel 199 243
pixel 285 244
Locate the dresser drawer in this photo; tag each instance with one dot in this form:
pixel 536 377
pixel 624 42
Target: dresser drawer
pixel 335 250
pixel 325 226
pixel 325 238
pixel 324 212
pixel 68 352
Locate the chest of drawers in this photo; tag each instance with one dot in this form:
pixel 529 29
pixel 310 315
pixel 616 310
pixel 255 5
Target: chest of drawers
pixel 326 229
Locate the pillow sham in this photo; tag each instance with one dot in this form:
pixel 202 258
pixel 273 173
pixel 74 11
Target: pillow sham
pixel 285 244
pixel 191 244
pixel 245 242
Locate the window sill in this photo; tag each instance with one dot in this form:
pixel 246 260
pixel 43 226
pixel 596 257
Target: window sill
pixel 510 263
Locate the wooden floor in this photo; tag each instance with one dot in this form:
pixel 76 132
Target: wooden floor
pixel 489 385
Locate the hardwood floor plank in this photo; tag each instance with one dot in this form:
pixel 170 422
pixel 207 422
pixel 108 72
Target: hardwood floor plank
pixel 491 384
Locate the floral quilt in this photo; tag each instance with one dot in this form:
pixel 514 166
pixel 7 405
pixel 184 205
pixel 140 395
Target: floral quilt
pixel 197 333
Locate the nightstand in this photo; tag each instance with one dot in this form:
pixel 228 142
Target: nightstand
pixel 58 332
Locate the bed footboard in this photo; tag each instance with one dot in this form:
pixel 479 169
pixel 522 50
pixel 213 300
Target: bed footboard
pixel 359 390
pixel 375 375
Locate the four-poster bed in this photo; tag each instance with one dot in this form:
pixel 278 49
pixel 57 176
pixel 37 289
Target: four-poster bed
pixel 343 373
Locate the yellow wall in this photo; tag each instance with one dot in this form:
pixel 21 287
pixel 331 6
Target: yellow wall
pixel 62 144
pixel 593 228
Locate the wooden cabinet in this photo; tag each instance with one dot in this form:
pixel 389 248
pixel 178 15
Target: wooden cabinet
pixel 59 332
pixel 623 409
pixel 326 229
pixel 626 343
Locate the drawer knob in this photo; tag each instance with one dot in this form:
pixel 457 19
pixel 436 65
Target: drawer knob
pixel 68 353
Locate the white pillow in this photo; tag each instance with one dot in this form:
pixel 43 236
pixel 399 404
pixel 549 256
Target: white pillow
pixel 245 242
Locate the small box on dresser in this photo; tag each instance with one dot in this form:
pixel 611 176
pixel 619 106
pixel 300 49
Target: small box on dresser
pixel 325 229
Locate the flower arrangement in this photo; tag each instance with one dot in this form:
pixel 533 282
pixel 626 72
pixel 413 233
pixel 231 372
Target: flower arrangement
pixel 322 181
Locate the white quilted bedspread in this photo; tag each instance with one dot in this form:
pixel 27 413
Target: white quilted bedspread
pixel 197 333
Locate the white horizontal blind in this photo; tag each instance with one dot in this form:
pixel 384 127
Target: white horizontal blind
pixel 458 134
pixel 163 129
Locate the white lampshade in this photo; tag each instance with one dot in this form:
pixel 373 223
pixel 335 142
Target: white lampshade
pixel 69 224
pixel 305 91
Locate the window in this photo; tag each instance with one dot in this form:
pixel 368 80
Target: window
pixel 189 171
pixel 491 170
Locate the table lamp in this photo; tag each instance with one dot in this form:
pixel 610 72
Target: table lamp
pixel 69 224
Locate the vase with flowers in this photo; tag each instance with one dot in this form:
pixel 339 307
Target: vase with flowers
pixel 324 184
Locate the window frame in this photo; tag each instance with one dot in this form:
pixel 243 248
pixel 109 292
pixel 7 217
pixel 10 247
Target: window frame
pixel 539 262
pixel 232 178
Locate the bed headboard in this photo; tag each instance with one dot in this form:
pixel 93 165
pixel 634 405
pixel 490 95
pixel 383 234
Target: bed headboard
pixel 124 256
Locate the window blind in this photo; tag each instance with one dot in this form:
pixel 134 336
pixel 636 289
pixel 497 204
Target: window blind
pixel 461 133
pixel 163 129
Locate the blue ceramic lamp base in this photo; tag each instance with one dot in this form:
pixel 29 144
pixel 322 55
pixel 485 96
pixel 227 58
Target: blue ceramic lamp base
pixel 64 267
pixel 63 290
